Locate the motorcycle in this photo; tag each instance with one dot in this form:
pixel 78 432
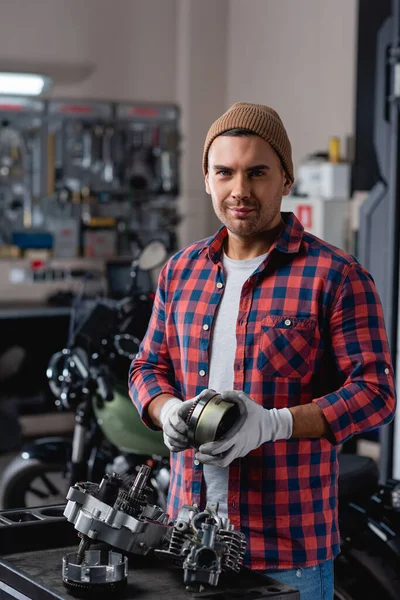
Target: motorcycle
pixel 87 377
pixel 368 566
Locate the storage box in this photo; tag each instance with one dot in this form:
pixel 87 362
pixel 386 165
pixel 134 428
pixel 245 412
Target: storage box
pixel 99 243
pixel 65 235
pixel 335 180
pixel 327 219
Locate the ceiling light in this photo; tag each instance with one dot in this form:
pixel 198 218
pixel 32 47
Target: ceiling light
pixel 24 84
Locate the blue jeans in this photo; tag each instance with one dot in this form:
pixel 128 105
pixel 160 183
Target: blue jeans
pixel 314 583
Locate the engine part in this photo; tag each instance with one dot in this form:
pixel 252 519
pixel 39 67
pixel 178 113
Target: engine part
pixel 204 545
pixel 131 501
pixel 109 488
pixel 203 563
pixel 209 419
pixel 130 523
pixel 101 573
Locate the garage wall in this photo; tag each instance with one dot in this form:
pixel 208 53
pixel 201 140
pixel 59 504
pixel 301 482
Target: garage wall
pixel 201 93
pixel 131 43
pixel 298 56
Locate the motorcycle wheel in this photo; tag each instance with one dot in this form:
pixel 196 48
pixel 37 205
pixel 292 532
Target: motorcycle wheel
pixel 26 483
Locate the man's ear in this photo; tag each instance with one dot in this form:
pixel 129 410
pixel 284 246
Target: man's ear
pixel 207 184
pixel 287 185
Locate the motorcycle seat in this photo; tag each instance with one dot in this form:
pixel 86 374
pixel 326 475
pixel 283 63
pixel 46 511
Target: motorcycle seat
pixel 358 476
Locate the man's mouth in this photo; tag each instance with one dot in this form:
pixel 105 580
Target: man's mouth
pixel 240 211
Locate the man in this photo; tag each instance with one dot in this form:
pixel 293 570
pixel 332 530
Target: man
pixel 287 327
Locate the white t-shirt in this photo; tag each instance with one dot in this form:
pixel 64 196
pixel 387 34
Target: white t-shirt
pixel 222 359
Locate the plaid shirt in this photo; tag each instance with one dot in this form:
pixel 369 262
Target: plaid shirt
pixel 310 329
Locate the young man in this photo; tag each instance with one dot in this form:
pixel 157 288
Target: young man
pixel 287 327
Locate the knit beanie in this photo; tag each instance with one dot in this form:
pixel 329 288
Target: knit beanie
pixel 260 119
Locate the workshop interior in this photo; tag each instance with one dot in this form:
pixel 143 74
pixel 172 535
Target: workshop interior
pixel 104 108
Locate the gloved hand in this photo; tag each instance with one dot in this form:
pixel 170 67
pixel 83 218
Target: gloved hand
pixel 173 420
pixel 254 426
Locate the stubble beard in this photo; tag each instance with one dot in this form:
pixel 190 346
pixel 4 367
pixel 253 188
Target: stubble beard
pixel 252 225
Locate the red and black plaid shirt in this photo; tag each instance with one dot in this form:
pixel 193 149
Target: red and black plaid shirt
pixel 309 329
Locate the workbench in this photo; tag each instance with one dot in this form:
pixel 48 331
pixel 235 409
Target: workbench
pixel 34 571
pixel 37 575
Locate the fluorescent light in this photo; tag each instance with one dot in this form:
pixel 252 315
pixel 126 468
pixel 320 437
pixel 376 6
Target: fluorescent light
pixel 25 84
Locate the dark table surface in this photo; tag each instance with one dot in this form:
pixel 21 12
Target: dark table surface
pixel 37 574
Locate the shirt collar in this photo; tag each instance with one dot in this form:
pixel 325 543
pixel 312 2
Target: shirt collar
pixel 288 242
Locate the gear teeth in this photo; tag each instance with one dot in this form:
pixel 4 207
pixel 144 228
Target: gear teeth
pixel 94 590
pixel 127 504
pixel 191 411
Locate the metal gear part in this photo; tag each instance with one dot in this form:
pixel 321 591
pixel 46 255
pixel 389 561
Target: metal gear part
pixel 209 419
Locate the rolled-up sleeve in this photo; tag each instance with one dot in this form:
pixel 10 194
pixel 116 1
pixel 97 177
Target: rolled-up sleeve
pixel 151 372
pixel 367 398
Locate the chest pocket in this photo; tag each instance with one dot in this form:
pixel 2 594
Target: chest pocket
pixel 285 346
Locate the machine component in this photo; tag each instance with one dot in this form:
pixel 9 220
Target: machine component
pixel 101 573
pixel 129 523
pixel 201 543
pixel 396 496
pixel 209 419
pixel 109 488
pixel 388 497
pixel 131 501
pixel 204 545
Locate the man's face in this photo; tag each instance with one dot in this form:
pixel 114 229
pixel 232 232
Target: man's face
pixel 246 182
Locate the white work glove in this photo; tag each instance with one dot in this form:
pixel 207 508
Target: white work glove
pixel 255 426
pixel 173 420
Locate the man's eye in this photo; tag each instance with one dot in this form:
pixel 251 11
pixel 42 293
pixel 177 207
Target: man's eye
pixel 257 173
pixel 223 173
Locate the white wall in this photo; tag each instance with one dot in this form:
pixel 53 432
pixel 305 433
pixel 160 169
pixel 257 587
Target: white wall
pixel 298 56
pixel 201 92
pixel 131 43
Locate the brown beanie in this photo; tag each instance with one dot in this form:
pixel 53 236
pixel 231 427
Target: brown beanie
pixel 260 119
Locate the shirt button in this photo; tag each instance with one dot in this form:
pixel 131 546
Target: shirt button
pixel 202 373
pixel 206 327
pixel 219 285
pixel 387 371
pixel 288 322
pixel 197 462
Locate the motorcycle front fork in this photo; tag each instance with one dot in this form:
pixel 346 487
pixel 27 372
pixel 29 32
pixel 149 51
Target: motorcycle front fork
pixel 79 467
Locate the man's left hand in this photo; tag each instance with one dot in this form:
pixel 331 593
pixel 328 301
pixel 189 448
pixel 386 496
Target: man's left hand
pixel 255 426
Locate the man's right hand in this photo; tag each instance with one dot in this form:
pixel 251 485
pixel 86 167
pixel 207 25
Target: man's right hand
pixel 173 417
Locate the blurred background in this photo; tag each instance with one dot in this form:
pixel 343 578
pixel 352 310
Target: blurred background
pixel 104 108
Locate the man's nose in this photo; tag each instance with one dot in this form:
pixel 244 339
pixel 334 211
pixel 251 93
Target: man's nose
pixel 241 187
